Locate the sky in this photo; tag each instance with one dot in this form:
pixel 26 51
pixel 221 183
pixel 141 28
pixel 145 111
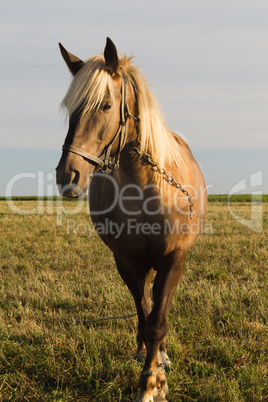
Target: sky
pixel 206 61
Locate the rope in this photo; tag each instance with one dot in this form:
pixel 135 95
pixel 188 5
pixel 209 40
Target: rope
pixel 92 320
pixel 82 321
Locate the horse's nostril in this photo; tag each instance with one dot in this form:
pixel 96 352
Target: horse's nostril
pixel 74 179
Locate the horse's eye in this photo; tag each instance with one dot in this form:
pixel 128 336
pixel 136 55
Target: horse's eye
pixel 107 106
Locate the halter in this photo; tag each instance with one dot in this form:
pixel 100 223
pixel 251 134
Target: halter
pixel 105 161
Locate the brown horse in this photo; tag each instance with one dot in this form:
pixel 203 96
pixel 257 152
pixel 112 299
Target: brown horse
pixel 147 193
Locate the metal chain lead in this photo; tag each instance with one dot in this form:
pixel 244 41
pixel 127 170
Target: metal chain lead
pixel 170 180
pixel 168 177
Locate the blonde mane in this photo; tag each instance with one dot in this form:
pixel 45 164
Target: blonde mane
pixel 92 83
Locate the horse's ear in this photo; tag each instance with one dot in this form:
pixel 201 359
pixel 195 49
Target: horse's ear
pixel 111 57
pixel 74 63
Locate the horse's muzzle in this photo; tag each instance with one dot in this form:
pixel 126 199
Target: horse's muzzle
pixel 73 175
pixel 72 184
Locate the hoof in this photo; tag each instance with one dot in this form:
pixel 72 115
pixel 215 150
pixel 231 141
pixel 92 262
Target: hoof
pixel 165 360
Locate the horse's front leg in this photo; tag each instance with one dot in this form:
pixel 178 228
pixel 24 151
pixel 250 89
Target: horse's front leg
pixel 153 383
pixel 137 277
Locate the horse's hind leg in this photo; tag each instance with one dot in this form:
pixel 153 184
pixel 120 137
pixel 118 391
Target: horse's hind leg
pixel 153 381
pixel 137 278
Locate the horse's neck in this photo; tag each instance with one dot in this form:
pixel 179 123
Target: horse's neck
pixel 133 170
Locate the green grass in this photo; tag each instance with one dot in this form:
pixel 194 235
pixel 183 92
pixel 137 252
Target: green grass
pixel 217 322
pixel 238 198
pixel 211 198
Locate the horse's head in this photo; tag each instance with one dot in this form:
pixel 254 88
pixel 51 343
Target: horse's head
pixel 99 105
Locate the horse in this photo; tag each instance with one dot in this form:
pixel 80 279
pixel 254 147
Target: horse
pixel 147 194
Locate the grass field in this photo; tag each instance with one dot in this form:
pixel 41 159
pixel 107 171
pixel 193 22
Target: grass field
pixel 50 278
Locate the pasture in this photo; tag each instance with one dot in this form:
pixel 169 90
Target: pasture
pixel 54 278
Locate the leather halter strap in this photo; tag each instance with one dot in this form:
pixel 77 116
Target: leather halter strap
pixel 86 155
pixel 105 161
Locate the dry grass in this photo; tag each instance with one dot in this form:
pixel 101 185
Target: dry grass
pixel 218 319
